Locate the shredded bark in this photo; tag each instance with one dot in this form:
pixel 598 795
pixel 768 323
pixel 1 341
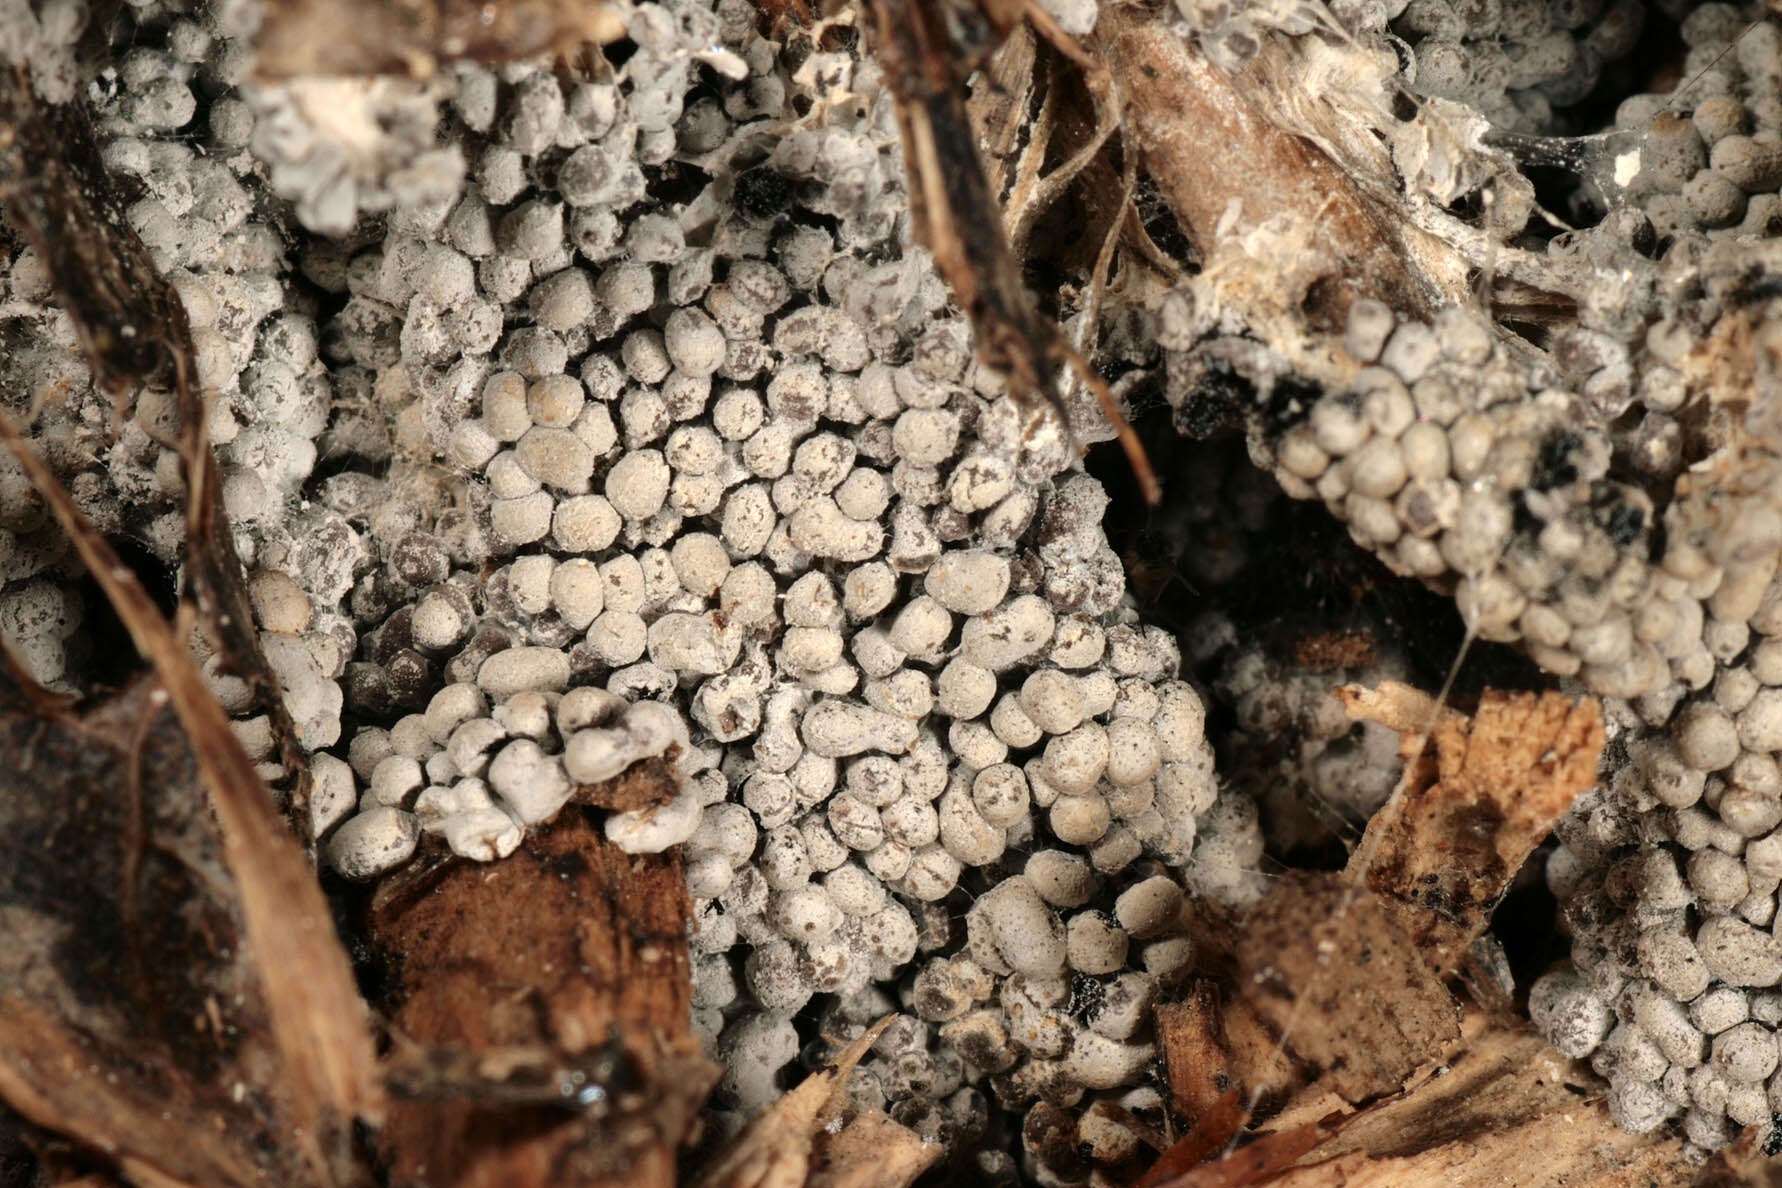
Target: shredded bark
pixel 1226 170
pixel 132 1016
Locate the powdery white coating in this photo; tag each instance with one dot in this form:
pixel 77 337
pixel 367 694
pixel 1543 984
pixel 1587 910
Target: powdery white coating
pixel 645 730
pixel 1001 638
pixel 519 669
pixel 968 582
pixel 332 797
pixel 1739 954
pixel 654 829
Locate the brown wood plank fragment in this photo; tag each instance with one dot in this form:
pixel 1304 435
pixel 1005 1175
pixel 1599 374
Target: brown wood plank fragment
pixel 648 782
pixel 1196 1060
pixel 1472 806
pixel 309 37
pixel 569 948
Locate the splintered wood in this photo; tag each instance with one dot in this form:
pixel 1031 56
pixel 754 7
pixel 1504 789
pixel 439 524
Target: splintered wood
pixel 1338 996
pixel 957 218
pixel 540 1011
pixel 1478 795
pixel 1506 1110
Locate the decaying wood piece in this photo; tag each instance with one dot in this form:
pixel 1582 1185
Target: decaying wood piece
pixel 132 1016
pixel 540 1010
pixel 1478 795
pixel 311 37
pixel 956 216
pixel 775 1149
pixel 57 195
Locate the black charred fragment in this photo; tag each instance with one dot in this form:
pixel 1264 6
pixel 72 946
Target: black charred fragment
pixel 1553 465
pixel 763 193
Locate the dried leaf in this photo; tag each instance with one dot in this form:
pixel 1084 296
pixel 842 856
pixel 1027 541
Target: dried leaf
pixel 872 1151
pixel 1212 1130
pixel 1472 805
pixel 1507 1111
pixel 561 969
pixel 774 1150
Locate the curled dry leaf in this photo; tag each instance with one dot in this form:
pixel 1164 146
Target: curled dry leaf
pixel 775 1149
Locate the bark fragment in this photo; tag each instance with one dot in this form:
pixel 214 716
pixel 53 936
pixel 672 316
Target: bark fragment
pixel 569 957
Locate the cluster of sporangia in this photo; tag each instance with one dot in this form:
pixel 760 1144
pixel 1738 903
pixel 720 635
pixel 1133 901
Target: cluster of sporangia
pixel 590 419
